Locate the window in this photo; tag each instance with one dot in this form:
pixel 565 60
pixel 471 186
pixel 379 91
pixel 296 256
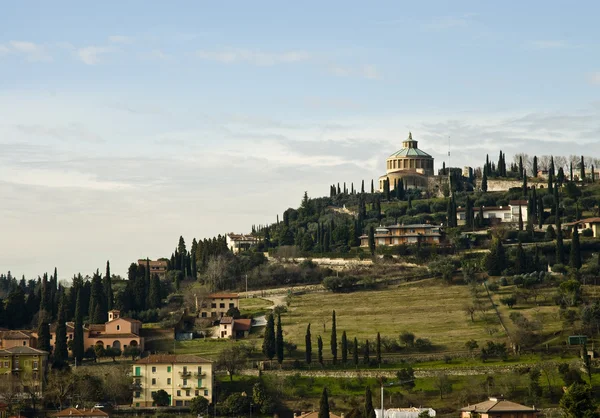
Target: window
pixel 222 305
pixel 213 305
pixel 153 380
pixel 206 392
pixel 507 216
pixel 24 343
pixel 196 393
pixel 35 364
pixel 203 314
pixel 153 369
pixel 213 314
pixel 138 371
pixel 118 327
pixel 178 393
pixel 184 369
pixel 184 382
pixel 153 393
pixel 6 364
pixel 187 392
pixel 168 369
pixel 232 305
pixel 16 363
pixel 199 369
pixel 168 380
pixel 70 336
pixel 137 395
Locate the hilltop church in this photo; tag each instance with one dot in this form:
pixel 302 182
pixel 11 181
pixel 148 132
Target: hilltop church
pixel 412 165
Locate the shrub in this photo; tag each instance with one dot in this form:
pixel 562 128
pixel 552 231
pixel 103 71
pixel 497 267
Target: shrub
pixel 423 344
pixel 587 233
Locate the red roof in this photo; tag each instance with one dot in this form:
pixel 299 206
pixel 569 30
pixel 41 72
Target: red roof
pixel 224 296
pixel 242 324
pixel 226 320
pixel 74 412
pixel 172 359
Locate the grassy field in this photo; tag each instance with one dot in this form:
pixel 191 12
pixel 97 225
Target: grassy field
pixel 427 308
pixel 254 306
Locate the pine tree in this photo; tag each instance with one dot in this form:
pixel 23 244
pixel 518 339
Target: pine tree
pixel 320 349
pixel 333 342
pixel 344 348
pixel 108 288
pixel 369 411
pixel 355 348
pixel 279 341
pixel 378 349
pixel 308 345
pixel 575 255
pixel 61 352
pixel 324 405
pixel 78 349
pixel 366 355
pixel 268 347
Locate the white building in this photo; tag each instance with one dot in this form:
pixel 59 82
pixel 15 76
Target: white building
pixel 403 412
pixel 497 214
pixel 240 242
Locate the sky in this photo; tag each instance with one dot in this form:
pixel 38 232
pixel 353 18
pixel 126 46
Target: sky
pixel 124 125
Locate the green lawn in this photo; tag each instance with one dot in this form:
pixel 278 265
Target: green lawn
pixel 427 308
pixel 254 306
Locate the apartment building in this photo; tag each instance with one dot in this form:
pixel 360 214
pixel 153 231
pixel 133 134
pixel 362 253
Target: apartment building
pixel 216 305
pixel 183 377
pixel 25 365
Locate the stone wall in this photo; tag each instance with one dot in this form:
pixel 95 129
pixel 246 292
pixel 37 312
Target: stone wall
pixel 496 185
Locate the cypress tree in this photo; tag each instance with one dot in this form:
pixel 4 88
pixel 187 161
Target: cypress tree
pixel 535 166
pixel 593 175
pixel 369 411
pixel 61 352
pixel 154 293
pixel 582 169
pixel 324 405
pixel 43 330
pixel 279 341
pixel 268 347
pixel 355 350
pixel 484 181
pixel 560 177
pixel 372 187
pixel 372 240
pixel 320 349
pixel 560 251
pixel 308 345
pixel 378 349
pixel 344 348
pixel 575 255
pixel 108 288
pixel 551 175
pixel 571 171
pixel 540 208
pixel 520 259
pixel 366 358
pixel 521 172
pixel 520 218
pixel 525 188
pixel 362 187
pixel 78 348
pixel 333 342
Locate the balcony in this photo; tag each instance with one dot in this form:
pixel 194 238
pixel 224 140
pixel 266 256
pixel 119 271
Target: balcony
pixel 185 385
pixel 199 375
pixel 136 386
pixel 185 373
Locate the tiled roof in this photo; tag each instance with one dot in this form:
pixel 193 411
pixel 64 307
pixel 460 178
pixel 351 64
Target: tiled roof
pixel 133 321
pixel 23 350
pixel 242 324
pixel 128 335
pixel 15 335
pixel 495 405
pixel 172 359
pixel 226 320
pixel 74 412
pixel 224 296
pixel 316 415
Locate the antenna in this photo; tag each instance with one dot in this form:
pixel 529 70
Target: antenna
pixel 449 154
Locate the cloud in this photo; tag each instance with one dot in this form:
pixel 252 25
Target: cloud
pixel 70 132
pixel 120 39
pixel 90 55
pixel 448 22
pixel 367 71
pixel 549 44
pixel 259 58
pixel 4 50
pixel 594 78
pixel 32 51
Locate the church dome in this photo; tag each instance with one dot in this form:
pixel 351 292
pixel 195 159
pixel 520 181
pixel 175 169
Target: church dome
pixel 410 149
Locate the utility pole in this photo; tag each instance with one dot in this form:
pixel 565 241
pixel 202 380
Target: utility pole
pixel 246 286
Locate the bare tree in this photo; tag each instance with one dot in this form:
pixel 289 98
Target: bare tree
pixel 443 384
pixel 59 387
pixel 216 272
pixel 469 310
pixel 10 389
pixel 544 162
pixel 233 358
pixel 194 297
pixel 561 161
pixel 527 161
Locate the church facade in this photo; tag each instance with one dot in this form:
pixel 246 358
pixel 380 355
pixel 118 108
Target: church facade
pixel 412 165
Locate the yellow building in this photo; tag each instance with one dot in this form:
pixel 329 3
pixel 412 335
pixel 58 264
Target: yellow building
pixel 25 365
pixel 216 305
pixel 183 377
pixel 410 164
